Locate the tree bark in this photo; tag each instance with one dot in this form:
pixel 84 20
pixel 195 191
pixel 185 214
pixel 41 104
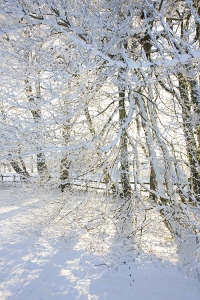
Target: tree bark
pixel 36 113
pixel 124 161
pixel 65 162
pixel 191 145
pixel 24 174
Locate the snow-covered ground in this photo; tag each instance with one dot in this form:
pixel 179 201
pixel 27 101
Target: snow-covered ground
pixel 44 255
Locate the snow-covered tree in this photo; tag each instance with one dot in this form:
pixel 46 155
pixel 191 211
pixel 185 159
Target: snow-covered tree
pixel 108 88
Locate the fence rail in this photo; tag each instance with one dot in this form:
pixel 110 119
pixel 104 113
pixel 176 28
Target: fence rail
pixel 88 184
pixel 12 177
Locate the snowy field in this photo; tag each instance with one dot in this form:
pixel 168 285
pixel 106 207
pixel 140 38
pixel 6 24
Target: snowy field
pixel 44 255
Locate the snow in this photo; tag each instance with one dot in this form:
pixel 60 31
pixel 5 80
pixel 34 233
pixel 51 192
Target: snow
pixel 41 257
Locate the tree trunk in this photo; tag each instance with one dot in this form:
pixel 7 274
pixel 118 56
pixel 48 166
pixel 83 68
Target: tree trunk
pixel 24 174
pixel 106 174
pixel 191 145
pixel 155 175
pixel 65 162
pixel 36 113
pixel 195 97
pixel 124 162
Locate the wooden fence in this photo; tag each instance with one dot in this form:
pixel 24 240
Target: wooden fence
pixel 10 177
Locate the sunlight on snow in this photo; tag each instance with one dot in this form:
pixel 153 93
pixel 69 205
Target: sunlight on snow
pixel 7 209
pixel 61 247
